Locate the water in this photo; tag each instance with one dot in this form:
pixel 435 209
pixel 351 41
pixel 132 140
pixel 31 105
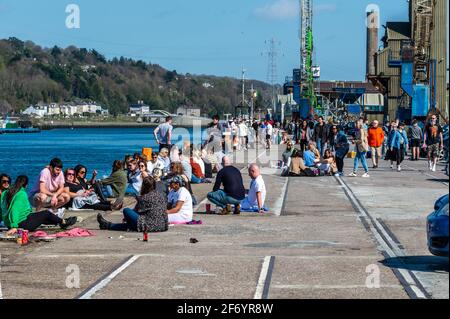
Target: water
pixel 96 148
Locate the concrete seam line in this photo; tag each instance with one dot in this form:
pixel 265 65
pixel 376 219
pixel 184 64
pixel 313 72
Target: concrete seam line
pixel 383 239
pixel 279 204
pixel 263 277
pixel 109 277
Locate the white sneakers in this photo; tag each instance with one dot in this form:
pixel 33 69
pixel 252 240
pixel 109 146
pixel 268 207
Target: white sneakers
pixel 399 168
pixel 432 166
pixel 365 175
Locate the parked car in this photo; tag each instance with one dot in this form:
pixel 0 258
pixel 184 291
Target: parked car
pixel 441 202
pixel 437 228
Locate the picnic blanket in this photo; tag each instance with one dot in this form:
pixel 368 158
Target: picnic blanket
pixel 76 232
pixel 194 222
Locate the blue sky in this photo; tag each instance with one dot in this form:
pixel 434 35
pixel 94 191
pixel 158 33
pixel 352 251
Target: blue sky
pixel 205 36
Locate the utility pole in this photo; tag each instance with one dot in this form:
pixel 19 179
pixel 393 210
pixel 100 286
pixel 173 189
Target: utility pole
pixel 243 86
pixel 252 105
pixel 272 70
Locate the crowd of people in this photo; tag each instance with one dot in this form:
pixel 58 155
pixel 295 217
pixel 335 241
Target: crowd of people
pixel 324 146
pixel 160 184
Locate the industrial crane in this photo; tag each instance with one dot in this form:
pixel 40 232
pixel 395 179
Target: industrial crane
pixel 306 54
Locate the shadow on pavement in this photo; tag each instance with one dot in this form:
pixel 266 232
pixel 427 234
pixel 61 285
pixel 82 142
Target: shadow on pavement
pixel 438 180
pixel 419 263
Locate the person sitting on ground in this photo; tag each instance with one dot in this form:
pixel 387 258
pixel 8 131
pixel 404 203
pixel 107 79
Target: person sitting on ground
pixel 114 186
pixel 160 185
pixel 5 182
pixel 134 179
pixel 286 156
pixel 187 168
pixel 196 157
pixel 154 163
pixel 149 214
pixel 16 211
pixel 80 174
pixel 48 192
pixel 297 165
pixel 197 175
pixel 81 198
pixel 310 156
pixel 164 158
pixel 143 169
pixel 328 163
pixel 180 206
pixel 257 193
pixel 233 191
pixel 127 160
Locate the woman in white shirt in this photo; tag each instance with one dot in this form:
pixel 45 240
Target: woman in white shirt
pixel 181 209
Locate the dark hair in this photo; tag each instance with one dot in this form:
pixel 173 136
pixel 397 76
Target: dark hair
pixel 216 117
pixel 56 163
pixel 320 117
pixel 70 169
pixel 137 156
pixel 117 165
pixel 78 168
pixel 21 182
pixel 311 125
pixel 169 118
pixel 148 185
pixel 5 175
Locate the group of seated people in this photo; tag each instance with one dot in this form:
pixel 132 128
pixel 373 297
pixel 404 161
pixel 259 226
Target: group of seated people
pixel 309 162
pixel 161 185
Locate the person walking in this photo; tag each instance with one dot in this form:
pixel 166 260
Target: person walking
pixel 361 148
pixel 399 144
pixel 416 139
pixel 433 142
pixel 321 136
pixel 163 134
pixel 376 139
pixel 303 136
pixel 341 147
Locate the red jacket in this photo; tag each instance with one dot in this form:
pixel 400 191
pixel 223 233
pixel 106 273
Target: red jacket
pixel 376 137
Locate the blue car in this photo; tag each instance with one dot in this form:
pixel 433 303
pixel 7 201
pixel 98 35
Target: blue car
pixel 437 228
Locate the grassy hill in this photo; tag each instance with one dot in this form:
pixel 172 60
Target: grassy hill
pixel 30 74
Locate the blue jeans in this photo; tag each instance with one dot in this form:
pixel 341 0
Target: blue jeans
pixel 131 218
pixel 321 147
pixel 360 156
pixel 131 191
pixel 107 191
pixel 196 180
pixel 221 199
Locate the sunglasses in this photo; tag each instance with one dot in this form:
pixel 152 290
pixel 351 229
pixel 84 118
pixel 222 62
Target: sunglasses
pixel 6 181
pixel 82 172
pixel 70 174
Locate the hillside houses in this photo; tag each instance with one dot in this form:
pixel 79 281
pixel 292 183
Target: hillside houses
pixel 64 110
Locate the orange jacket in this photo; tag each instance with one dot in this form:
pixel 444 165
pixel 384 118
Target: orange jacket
pixel 376 137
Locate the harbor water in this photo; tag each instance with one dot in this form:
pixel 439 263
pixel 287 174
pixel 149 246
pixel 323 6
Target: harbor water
pixel 95 148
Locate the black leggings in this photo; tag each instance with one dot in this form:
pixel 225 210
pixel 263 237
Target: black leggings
pixel 35 220
pixel 303 145
pixel 399 154
pixel 340 164
pixel 104 207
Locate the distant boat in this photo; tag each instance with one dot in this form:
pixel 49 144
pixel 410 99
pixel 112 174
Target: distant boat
pixel 13 126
